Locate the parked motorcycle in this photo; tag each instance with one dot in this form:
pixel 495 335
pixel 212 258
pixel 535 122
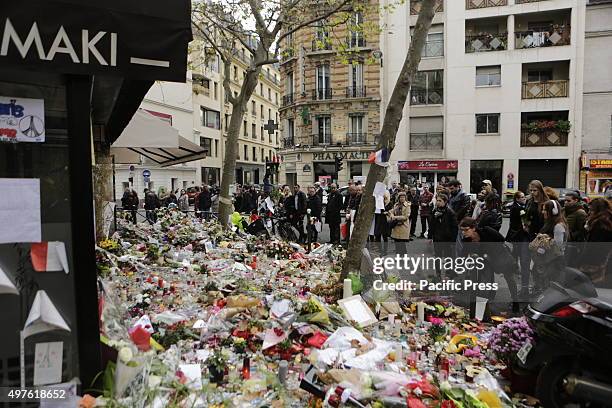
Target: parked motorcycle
pixel 573 348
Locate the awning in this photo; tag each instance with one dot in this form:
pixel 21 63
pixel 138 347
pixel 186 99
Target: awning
pixel 156 140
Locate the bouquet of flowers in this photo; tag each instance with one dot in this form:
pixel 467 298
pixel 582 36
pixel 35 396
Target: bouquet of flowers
pixel 508 338
pixel 438 328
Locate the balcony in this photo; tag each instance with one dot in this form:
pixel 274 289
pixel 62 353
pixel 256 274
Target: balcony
pixel 361 139
pixel 484 42
pixel 287 100
pixel 287 54
pixel 476 4
pixel 323 139
pixel 526 1
pixel 426 141
pixel 433 48
pixel 287 143
pixel 356 40
pixel 430 96
pixel 356 92
pixel 544 138
pixel 545 89
pixel 550 36
pixel 322 94
pixel 415 6
pixel 321 44
pixel 271 78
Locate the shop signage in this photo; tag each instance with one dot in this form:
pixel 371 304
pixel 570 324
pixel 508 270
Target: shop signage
pixel 428 165
pixel 103 38
pixel 600 163
pixel 344 155
pixel 22 119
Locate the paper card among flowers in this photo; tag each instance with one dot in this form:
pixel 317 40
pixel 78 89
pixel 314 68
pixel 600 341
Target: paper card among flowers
pixel 48 363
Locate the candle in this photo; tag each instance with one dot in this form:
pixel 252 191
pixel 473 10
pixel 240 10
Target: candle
pixel 283 368
pixel 420 312
pixel 246 368
pixel 398 353
pixel 347 289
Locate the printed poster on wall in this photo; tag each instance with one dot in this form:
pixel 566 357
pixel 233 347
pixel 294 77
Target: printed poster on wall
pixel 22 119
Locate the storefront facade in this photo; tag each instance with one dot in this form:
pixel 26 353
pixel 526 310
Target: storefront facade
pixel 80 72
pixel 309 167
pixel 430 172
pixel 596 174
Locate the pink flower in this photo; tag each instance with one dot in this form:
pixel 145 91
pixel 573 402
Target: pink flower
pixel 436 321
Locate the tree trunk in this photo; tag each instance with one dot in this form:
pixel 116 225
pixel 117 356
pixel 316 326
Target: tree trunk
pixel 393 117
pixel 231 151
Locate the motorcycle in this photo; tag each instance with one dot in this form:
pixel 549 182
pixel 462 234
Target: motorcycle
pixel 572 321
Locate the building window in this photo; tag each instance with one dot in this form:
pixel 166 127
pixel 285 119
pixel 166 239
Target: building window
pixel 244 126
pixel 276 96
pixel 434 45
pixel 253 132
pixel 539 75
pixel 356 133
pixel 262 154
pixel 253 108
pixel 356 168
pixel 215 89
pixel 487 123
pixel 246 152
pixel 324 126
pixel 226 121
pixel 254 153
pixel 235 73
pixel 216 148
pixel 356 37
pixel 323 90
pixel 210 118
pixel 269 94
pixel 290 130
pixel 356 88
pixel 261 111
pixel 261 89
pixel 261 132
pixel 206 143
pixel 488 76
pixel 427 88
pixel 269 114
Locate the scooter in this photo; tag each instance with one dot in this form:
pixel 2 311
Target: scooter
pixel 572 353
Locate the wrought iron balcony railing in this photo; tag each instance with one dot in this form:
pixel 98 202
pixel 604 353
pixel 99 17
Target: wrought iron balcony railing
pixel 415 6
pixel 526 1
pixel 429 96
pixel 356 92
pixel 486 42
pixel 550 137
pixel 426 141
pixel 476 4
pixel 433 48
pixel 361 139
pixel 544 37
pixel 321 44
pixel 322 94
pixel 321 139
pixel 287 99
pixel 545 89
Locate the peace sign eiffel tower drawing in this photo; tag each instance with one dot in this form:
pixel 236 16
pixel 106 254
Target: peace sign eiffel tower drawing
pixel 29 126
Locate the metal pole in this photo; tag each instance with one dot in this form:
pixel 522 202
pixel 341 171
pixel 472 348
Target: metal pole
pixel 114 194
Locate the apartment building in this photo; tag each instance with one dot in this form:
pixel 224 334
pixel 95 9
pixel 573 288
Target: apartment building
pixel 596 160
pixel 257 146
pixel 330 100
pixel 498 95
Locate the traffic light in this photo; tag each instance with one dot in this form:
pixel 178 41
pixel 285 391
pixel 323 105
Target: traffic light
pixel 338 163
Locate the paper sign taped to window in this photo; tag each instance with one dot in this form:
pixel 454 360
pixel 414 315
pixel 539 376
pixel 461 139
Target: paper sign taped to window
pixel 48 363
pixel 20 210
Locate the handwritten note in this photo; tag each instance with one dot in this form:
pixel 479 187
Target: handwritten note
pixel 48 363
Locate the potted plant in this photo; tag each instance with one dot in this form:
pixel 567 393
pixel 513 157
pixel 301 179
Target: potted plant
pixel 284 348
pixel 240 345
pixel 563 125
pixel 216 363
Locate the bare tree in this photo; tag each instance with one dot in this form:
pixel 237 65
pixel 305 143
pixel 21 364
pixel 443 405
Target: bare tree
pixel 222 24
pixel 391 122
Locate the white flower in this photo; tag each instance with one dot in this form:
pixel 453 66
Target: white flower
pixel 522 212
pixel 126 355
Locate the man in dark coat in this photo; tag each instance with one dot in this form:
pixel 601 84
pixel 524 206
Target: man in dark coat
pixel 413 197
pixel 297 210
pixel 459 202
pixel 151 205
pixel 204 202
pixel 332 213
pixel 313 208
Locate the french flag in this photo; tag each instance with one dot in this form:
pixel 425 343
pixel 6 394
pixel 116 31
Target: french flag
pixel 380 157
pixel 49 256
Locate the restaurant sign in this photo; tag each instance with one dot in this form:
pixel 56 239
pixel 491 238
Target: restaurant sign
pixel 428 165
pixel 22 119
pixel 600 163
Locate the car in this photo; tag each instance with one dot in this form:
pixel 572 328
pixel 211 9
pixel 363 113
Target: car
pixel 191 195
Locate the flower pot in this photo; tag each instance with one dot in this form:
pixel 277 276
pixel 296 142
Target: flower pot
pixel 216 376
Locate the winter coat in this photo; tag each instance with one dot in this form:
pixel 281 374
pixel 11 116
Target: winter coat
pixel 596 251
pixel 333 208
pixel 353 202
pixel 300 209
pixel 490 218
pixel 204 201
pixel 534 217
pixel 401 213
pixel 414 205
pixel 460 204
pixel 313 203
pixel 516 233
pixel 425 198
pixel 183 202
pixel 126 200
pixel 443 225
pixel 151 201
pixel 576 218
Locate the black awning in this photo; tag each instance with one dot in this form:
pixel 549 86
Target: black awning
pixel 134 39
